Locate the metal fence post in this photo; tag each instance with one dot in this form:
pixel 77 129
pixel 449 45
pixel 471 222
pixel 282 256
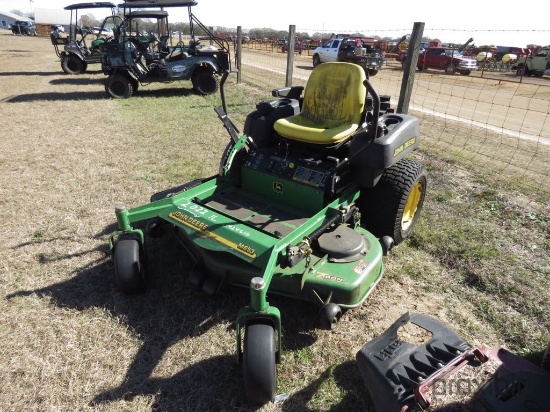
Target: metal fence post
pixel 290 55
pixel 238 53
pixel 409 68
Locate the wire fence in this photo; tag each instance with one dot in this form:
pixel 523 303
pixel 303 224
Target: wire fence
pixel 490 118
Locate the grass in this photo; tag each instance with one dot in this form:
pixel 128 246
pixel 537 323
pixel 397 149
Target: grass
pixel 478 260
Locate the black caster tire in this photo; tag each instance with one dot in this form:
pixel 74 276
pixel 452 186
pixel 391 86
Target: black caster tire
pixel 546 359
pixel 129 268
pixel 331 314
pixel 259 369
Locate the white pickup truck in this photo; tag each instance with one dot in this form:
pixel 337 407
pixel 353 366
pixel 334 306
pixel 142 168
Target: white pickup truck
pixel 350 49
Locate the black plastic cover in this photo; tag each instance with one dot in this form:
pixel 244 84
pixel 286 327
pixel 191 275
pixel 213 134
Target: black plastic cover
pixel 392 368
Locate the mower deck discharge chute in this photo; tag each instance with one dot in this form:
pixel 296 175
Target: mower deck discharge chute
pixel 307 201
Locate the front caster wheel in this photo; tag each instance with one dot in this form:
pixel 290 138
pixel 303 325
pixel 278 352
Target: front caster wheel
pixel 331 314
pixel 129 269
pixel 259 371
pixel 546 359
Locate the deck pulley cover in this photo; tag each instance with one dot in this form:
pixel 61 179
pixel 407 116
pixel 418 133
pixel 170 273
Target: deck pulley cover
pixel 343 244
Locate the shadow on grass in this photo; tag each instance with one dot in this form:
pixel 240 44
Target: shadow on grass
pixel 5 74
pixel 349 381
pixel 31 97
pixel 171 310
pixel 99 95
pixel 77 81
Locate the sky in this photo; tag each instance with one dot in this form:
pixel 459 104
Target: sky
pixel 486 22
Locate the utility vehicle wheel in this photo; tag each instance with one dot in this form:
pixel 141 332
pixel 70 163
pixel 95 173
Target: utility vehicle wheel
pixel 373 72
pixel 450 69
pixel 331 314
pixel 259 370
pixel 522 71
pixel 73 65
pixel 119 86
pixel 546 359
pixel 129 269
pixel 316 60
pixel 392 207
pixel 205 82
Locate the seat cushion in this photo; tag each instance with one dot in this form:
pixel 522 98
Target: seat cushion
pixel 334 101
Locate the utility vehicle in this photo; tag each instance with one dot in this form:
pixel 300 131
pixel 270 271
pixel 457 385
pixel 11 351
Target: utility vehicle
pixel 77 54
pixel 537 64
pixel 307 200
pixel 148 58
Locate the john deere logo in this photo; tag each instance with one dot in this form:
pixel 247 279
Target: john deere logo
pixel 278 187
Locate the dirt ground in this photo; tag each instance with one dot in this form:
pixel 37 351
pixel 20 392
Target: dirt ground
pixel 70 342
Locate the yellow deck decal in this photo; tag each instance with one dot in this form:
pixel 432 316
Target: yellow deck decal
pixel 201 227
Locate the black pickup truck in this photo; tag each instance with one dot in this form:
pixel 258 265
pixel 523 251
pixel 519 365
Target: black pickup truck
pixel 23 27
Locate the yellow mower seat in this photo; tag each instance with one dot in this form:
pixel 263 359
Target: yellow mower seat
pixel 334 100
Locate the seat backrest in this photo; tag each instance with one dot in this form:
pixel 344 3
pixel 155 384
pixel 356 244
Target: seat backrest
pixel 335 95
pixel 163 43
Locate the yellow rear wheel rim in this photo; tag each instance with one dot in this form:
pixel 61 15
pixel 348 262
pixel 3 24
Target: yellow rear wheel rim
pixel 411 207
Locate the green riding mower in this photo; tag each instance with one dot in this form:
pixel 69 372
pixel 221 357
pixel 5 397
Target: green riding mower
pixel 308 199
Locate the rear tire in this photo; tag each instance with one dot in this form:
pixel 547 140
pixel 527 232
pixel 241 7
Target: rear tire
pixel 73 65
pixel 119 86
pixel 393 206
pixel 205 82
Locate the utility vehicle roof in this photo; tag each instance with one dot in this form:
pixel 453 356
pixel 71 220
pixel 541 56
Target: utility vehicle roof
pixel 147 14
pixel 94 5
pixel 157 3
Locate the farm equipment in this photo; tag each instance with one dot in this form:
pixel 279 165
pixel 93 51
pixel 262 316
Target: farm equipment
pixel 145 58
pixel 308 199
pixel 76 54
